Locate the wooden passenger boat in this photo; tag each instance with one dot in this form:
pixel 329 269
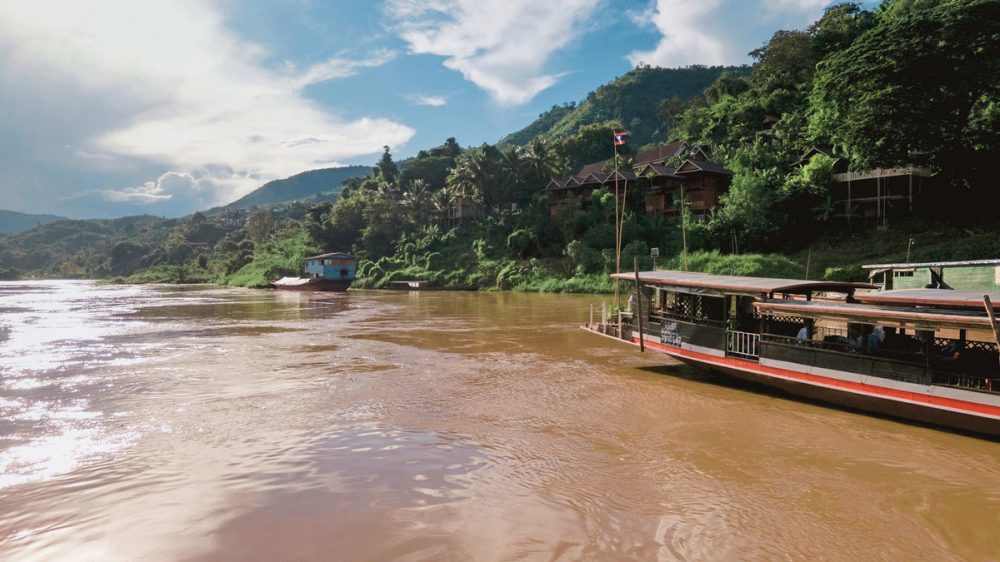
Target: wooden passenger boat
pixel 326 272
pixel 928 355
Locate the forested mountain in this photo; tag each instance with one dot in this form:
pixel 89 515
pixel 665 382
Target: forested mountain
pixel 636 99
pixel 326 181
pixel 12 222
pixel 85 248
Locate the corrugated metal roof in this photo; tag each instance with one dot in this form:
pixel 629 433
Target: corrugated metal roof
pixel 332 255
pixel 932 297
pixel 739 284
pixel 932 264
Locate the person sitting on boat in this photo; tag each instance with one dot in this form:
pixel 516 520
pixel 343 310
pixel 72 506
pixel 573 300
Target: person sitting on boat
pixel 875 339
pixel 951 352
pixel 803 336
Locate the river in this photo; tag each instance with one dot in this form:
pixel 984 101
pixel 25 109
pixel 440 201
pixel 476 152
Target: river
pixel 205 423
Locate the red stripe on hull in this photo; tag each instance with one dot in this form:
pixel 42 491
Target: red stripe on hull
pixel 937 410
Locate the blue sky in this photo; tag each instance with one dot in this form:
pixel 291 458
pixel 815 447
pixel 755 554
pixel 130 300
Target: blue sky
pixel 117 107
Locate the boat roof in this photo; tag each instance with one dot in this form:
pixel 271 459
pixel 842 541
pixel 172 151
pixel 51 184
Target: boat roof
pixel 931 264
pixel 920 318
pixel 738 284
pixel 333 255
pixel 942 298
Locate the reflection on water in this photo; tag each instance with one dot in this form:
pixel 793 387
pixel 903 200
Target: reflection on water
pixel 207 423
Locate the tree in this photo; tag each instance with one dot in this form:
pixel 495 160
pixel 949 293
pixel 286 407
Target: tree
pixel 879 100
pixel 259 225
pixel 386 167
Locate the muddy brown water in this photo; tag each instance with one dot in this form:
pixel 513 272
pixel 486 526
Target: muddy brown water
pixel 199 423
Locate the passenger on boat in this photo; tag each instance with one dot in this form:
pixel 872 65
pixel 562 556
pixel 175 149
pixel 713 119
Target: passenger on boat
pixel 875 339
pixel 803 336
pixel 951 352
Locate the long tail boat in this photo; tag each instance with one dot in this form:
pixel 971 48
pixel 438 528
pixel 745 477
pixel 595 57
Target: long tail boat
pixel 326 272
pixel 929 355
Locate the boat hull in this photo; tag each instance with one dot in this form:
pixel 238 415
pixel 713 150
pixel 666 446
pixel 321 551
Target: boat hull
pixel 958 409
pixel 312 284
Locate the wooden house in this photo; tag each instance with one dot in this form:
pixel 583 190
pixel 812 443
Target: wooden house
pixel 657 176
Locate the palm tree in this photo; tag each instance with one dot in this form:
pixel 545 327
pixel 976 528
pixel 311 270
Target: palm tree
pixel 417 200
pixel 442 200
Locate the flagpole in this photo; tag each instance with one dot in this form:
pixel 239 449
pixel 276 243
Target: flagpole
pixel 618 236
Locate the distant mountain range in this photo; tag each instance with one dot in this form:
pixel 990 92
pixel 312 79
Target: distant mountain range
pixel 325 182
pixel 633 99
pixel 12 222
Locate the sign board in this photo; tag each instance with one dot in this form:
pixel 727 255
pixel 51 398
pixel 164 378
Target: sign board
pixel 669 335
pixel 882 173
pixel 654 252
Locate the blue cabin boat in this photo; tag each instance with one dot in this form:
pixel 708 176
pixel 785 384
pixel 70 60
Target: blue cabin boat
pixel 326 272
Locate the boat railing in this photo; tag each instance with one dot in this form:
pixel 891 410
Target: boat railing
pixel 660 316
pixel 742 344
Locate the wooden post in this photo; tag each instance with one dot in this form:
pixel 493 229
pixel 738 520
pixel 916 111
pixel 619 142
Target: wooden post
pixel 684 235
pixel 847 210
pixel 590 323
pixel 911 189
pixel 993 319
pixel 638 305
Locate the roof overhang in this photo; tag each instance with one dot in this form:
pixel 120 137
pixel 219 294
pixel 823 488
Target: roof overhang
pixel 734 284
pixel 921 319
pixel 939 298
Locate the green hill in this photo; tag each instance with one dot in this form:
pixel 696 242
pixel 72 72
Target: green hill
pixel 633 99
pixel 327 181
pixel 81 248
pixel 12 222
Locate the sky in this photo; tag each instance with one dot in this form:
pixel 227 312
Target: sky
pixel 111 108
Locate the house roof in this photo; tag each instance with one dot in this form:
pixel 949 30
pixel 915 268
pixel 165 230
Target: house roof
pixel 661 153
pixel 657 170
pixel 739 284
pixel 332 255
pixel 691 166
pixel 625 174
pixel 813 151
pixel 942 298
pixel 919 318
pixel 592 178
pixel 593 168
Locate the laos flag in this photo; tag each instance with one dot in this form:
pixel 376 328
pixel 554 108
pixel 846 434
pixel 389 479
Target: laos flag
pixel 620 138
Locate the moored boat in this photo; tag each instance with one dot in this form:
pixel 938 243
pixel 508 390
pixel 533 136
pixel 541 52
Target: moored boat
pixel 326 272
pixel 929 355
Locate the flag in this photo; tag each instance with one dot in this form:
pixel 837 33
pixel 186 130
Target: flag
pixel 620 138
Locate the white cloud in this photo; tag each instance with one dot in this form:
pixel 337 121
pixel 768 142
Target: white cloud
pixel 502 46
pixel 720 32
pixel 338 67
pixel 166 187
pixel 433 101
pixel 84 155
pixel 182 91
